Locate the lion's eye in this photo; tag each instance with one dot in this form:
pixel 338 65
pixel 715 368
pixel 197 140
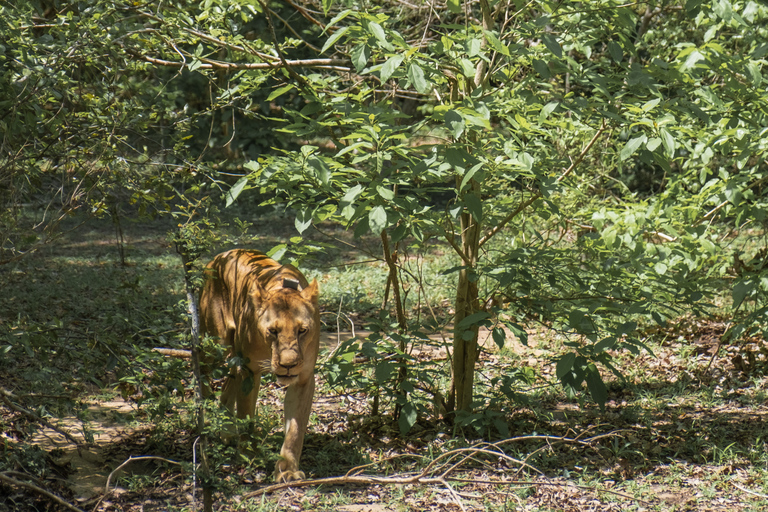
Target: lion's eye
pixel 272 331
pixel 302 330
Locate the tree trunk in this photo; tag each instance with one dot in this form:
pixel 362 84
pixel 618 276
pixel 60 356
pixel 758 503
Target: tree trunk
pixel 465 348
pixel 192 294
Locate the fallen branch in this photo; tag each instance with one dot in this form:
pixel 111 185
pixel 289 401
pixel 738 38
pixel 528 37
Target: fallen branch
pixel 5 478
pixel 174 352
pixel 6 397
pixel 134 459
pixel 753 493
pixel 438 471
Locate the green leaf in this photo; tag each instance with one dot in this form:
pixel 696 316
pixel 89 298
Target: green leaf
pixel 454 6
pixel 335 37
pixel 616 51
pixel 380 35
pixel 417 78
pixel 632 146
pixel 277 251
pixel 740 291
pixel 755 73
pixel 322 171
pixel 377 219
pixel 385 193
pixel 280 91
pixel 473 320
pixel 542 68
pixel 548 109
pixel 669 143
pixel 408 417
pixel 565 365
pixel 338 18
pixel 474 206
pixel 499 336
pixel 303 220
pixel 351 195
pixel 550 41
pixel 495 43
pixel 596 386
pixel 235 190
pixel 455 123
pixel 390 66
pixel 469 175
pixel 252 165
pixel 399 232
pixel 384 371
pixel 360 55
pixel 692 60
pixel 519 332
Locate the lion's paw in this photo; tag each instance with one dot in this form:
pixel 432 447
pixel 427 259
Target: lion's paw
pixel 288 476
pixel 285 473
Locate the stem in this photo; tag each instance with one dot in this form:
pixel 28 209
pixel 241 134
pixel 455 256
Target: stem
pixel 402 321
pixel 465 349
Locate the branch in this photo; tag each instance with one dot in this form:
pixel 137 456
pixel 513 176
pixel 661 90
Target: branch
pixel 39 490
pixel 436 472
pixel 753 493
pixel 174 352
pixel 6 396
pixel 132 459
pixel 334 64
pixel 537 195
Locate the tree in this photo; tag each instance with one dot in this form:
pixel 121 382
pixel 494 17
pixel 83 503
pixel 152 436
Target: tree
pixel 587 164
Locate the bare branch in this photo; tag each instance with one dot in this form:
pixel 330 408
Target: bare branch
pixel 6 396
pixel 334 64
pixel 436 474
pixel 4 477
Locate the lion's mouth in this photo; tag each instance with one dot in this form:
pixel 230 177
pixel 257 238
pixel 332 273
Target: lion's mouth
pixel 286 380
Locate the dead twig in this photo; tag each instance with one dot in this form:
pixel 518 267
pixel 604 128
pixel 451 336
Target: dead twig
pixel 437 472
pixel 753 493
pixel 174 352
pixel 6 397
pixel 134 459
pixel 130 459
pixel 5 478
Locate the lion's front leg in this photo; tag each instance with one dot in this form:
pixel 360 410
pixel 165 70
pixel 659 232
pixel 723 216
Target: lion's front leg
pixel 298 405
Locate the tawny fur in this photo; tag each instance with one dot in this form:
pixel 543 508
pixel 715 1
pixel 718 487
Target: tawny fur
pixel 273 328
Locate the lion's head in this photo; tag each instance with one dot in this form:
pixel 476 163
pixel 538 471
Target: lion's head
pixel 288 320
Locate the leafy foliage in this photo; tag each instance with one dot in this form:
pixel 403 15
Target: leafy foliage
pixel 597 169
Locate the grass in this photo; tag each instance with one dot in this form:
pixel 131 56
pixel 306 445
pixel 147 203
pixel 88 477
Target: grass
pixel 679 434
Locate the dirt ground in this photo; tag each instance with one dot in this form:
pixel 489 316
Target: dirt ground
pixel 685 432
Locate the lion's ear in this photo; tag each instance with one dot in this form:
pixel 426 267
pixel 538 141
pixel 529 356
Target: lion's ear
pixel 311 292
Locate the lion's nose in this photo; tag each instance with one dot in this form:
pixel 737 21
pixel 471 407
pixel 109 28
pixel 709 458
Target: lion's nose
pixel 289 360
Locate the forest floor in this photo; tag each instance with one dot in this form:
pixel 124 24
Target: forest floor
pixel 686 430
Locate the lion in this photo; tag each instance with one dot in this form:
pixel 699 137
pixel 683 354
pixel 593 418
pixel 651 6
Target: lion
pixel 268 315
